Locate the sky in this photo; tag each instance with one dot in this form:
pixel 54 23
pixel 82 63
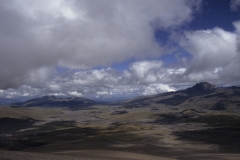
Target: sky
pixel 116 49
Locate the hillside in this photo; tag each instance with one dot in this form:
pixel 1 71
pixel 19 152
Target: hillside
pixel 53 101
pixel 201 96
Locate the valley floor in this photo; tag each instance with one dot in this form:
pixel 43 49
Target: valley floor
pixel 111 132
pixel 78 155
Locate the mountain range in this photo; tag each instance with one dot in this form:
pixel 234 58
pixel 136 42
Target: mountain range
pixel 203 95
pixel 53 101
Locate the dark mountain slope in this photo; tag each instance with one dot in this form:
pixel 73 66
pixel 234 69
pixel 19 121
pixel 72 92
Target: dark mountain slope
pixel 52 101
pixel 200 88
pixel 201 96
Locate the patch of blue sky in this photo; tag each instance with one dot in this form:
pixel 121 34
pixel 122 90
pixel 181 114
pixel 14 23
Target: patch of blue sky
pixel 214 14
pixel 167 59
pixel 61 69
pixel 162 37
pixel 122 66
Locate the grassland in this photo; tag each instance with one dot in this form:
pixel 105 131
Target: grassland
pixel 104 132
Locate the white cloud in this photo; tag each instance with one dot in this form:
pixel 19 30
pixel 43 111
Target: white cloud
pixel 215 55
pixel 217 70
pixel 157 88
pixel 54 88
pixel 35 37
pixel 142 78
pixel 81 33
pixel 177 71
pixel 237 26
pixel 214 48
pixel 143 69
pixel 74 93
pixel 38 77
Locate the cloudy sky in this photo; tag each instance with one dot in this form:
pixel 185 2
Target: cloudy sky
pixel 116 48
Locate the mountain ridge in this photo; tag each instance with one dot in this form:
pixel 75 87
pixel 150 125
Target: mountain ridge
pixel 201 87
pixel 53 101
pixel 203 95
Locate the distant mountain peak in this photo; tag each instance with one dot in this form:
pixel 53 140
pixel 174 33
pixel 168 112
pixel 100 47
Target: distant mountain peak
pixel 205 86
pixel 201 87
pixel 48 96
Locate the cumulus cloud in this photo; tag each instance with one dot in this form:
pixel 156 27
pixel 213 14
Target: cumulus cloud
pixel 81 33
pixel 142 78
pixel 145 71
pixel 237 27
pixel 211 48
pixel 38 36
pixel 215 55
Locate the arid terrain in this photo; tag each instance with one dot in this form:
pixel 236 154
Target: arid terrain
pixel 201 122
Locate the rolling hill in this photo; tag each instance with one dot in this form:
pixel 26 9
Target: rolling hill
pixel 53 101
pixel 201 96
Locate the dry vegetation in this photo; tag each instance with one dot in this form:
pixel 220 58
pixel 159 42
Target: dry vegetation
pixel 116 132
